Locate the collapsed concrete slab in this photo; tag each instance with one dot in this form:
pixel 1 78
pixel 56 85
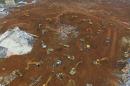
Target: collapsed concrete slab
pixel 15 42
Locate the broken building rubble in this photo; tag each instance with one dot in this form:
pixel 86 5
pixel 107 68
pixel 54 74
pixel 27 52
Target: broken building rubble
pixel 15 42
pixel 3 12
pixel 6 80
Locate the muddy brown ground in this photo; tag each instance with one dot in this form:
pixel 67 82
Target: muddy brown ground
pixel 108 21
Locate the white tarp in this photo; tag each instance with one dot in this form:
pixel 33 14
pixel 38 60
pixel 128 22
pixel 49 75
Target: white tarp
pixel 15 42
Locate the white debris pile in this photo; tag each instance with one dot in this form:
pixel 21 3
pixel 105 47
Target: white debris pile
pixel 6 80
pixel 125 41
pixel 15 42
pixel 23 3
pixel 3 12
pixel 126 74
pixel 66 31
pixel 35 81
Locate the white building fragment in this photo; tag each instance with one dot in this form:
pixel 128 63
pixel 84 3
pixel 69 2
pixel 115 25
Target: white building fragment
pixel 15 42
pixel 10 2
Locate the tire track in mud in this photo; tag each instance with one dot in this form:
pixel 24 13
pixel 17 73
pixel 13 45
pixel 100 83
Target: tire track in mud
pixel 106 48
pixel 110 50
pixel 114 36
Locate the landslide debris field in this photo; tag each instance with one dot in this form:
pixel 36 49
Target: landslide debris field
pixel 77 43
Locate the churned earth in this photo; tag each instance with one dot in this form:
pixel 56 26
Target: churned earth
pixel 81 34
